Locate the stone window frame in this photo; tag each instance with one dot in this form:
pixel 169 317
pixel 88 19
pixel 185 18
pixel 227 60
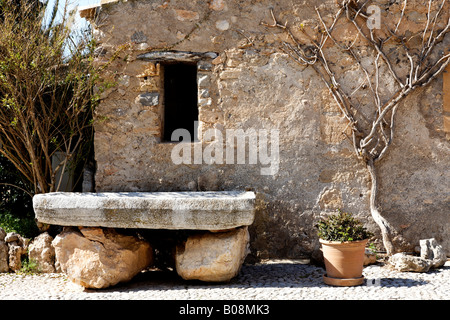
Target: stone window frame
pixel 203 61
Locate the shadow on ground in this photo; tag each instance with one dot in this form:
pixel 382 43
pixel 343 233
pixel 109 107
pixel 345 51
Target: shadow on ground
pixel 273 275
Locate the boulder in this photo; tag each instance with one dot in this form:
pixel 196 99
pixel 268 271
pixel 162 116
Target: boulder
pixel 430 249
pixel 11 237
pixel 42 252
pixel 4 266
pixel 100 258
pixel 213 257
pixel 4 256
pixel 404 262
pixel 17 247
pixel 370 257
pixel 15 253
pixel 2 234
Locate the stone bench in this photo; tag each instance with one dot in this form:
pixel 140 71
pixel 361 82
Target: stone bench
pixel 216 210
pixel 214 254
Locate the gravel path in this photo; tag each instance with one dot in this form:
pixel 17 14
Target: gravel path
pixel 273 280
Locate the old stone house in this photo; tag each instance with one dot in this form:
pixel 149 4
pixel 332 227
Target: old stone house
pixel 226 69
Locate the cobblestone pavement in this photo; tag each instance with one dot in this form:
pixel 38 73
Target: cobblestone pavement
pixel 272 280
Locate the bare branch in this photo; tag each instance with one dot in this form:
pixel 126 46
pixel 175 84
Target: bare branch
pixel 428 76
pixel 372 123
pixel 401 16
pixel 391 136
pixel 378 49
pixel 275 23
pixel 428 23
pixel 411 69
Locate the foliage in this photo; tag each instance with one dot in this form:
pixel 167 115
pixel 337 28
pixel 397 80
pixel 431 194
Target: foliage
pixel 342 227
pixel 373 249
pixel 29 266
pixel 47 101
pixel 14 190
pixel 16 211
pixel 23 225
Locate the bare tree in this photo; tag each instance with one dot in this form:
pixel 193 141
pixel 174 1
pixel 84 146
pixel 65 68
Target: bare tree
pixel 46 92
pixel 394 54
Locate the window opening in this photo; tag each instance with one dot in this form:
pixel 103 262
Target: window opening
pixel 180 98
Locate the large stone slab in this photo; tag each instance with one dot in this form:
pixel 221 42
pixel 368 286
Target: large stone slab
pixel 176 56
pixel 216 210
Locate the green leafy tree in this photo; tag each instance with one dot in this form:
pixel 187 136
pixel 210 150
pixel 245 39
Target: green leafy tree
pixel 47 77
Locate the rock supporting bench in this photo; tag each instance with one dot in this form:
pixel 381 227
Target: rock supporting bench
pixel 216 254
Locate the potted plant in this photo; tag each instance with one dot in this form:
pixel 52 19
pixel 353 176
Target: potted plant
pixel 343 239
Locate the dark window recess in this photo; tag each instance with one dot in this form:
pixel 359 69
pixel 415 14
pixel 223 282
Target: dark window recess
pixel 180 98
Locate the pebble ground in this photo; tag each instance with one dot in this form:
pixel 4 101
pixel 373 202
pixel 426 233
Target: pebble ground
pixel 271 280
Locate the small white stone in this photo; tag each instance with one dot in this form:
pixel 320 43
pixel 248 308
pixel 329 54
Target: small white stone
pixel 222 25
pixel 124 80
pixel 203 81
pixel 143 46
pixel 204 102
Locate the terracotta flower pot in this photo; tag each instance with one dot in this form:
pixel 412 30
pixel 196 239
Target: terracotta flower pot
pixel 344 261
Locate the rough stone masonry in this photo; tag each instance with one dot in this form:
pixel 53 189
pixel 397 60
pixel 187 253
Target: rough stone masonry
pixel 245 81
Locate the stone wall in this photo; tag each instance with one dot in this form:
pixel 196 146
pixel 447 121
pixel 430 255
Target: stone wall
pixel 246 82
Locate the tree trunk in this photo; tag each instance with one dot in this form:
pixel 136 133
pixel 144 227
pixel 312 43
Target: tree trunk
pixel 385 226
